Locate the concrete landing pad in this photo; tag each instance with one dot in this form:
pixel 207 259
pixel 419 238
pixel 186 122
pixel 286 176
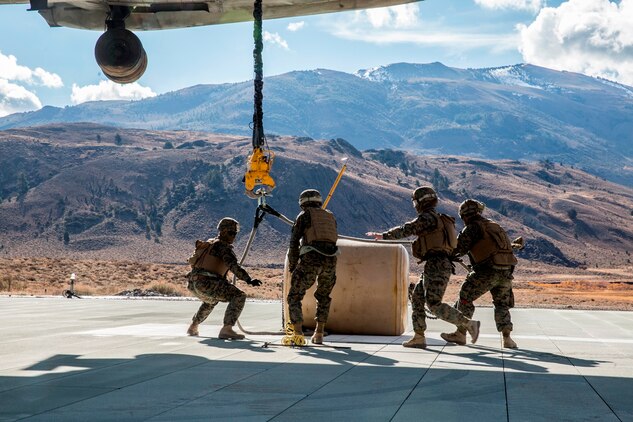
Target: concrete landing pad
pixel 97 359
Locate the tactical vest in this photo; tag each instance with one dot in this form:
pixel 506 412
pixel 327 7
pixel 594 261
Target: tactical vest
pixel 204 259
pixel 442 239
pixel 322 227
pixel 495 245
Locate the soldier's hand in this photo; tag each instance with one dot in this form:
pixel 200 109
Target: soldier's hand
pixel 254 282
pixel 375 235
pixel 518 243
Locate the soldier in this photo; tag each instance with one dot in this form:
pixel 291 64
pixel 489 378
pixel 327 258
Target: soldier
pixel 207 280
pixel 492 260
pixel 436 238
pixel 311 257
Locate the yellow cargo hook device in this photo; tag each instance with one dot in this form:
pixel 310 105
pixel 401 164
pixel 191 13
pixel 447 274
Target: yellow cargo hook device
pixel 258 173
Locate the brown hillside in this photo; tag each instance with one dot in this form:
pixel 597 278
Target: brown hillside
pixel 142 201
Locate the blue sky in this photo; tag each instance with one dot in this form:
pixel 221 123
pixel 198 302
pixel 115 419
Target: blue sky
pixel 55 66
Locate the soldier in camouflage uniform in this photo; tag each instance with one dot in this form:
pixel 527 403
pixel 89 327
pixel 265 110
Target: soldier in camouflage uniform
pixel 207 280
pixel 492 260
pixel 312 257
pixel 435 241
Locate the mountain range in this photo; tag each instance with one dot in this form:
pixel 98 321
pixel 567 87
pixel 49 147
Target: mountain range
pixel 520 112
pixel 89 191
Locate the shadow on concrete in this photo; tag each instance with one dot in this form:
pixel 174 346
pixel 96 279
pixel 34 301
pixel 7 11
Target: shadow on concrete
pixel 339 385
pixel 521 360
pixel 333 354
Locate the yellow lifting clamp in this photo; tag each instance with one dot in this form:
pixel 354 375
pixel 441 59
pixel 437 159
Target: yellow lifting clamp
pixel 258 173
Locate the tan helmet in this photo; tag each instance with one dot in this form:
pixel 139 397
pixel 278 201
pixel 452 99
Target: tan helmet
pixel 310 195
pixel 424 197
pixel 470 207
pixel 228 224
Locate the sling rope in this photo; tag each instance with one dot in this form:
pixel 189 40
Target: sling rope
pixel 260 213
pixel 258 115
pixel 257 179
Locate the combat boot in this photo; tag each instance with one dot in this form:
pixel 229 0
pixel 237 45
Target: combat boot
pixel 418 341
pixel 227 333
pixel 317 337
pixel 508 343
pixel 458 337
pixel 193 330
pixel 473 329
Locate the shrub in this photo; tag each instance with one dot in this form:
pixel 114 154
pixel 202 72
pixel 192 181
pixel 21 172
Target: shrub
pixel 165 289
pixel 8 284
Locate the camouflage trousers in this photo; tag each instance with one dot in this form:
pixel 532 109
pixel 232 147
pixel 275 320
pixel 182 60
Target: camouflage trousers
pixel 499 284
pixel 430 290
pixel 312 267
pixel 211 291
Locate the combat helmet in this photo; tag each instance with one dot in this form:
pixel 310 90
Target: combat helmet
pixel 470 207
pixel 228 224
pixel 424 197
pixel 310 195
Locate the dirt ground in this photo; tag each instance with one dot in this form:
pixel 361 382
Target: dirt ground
pixel 550 287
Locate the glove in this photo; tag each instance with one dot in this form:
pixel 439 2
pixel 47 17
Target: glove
pixel 254 282
pixel 375 235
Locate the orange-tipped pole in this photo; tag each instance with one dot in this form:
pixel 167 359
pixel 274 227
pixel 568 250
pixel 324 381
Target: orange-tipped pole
pixel 338 179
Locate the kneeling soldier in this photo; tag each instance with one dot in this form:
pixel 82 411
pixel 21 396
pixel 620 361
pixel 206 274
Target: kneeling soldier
pixel 207 280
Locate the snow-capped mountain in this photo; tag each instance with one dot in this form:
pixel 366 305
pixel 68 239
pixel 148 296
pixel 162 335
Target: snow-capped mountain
pixel 516 112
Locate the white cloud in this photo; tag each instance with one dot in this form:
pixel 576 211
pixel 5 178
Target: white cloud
pixel 398 17
pixel 15 98
pixel 533 5
pixel 451 39
pixel 108 90
pixel 10 70
pixel 403 25
pixel 275 38
pixel 594 37
pixel 49 80
pixel 295 26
